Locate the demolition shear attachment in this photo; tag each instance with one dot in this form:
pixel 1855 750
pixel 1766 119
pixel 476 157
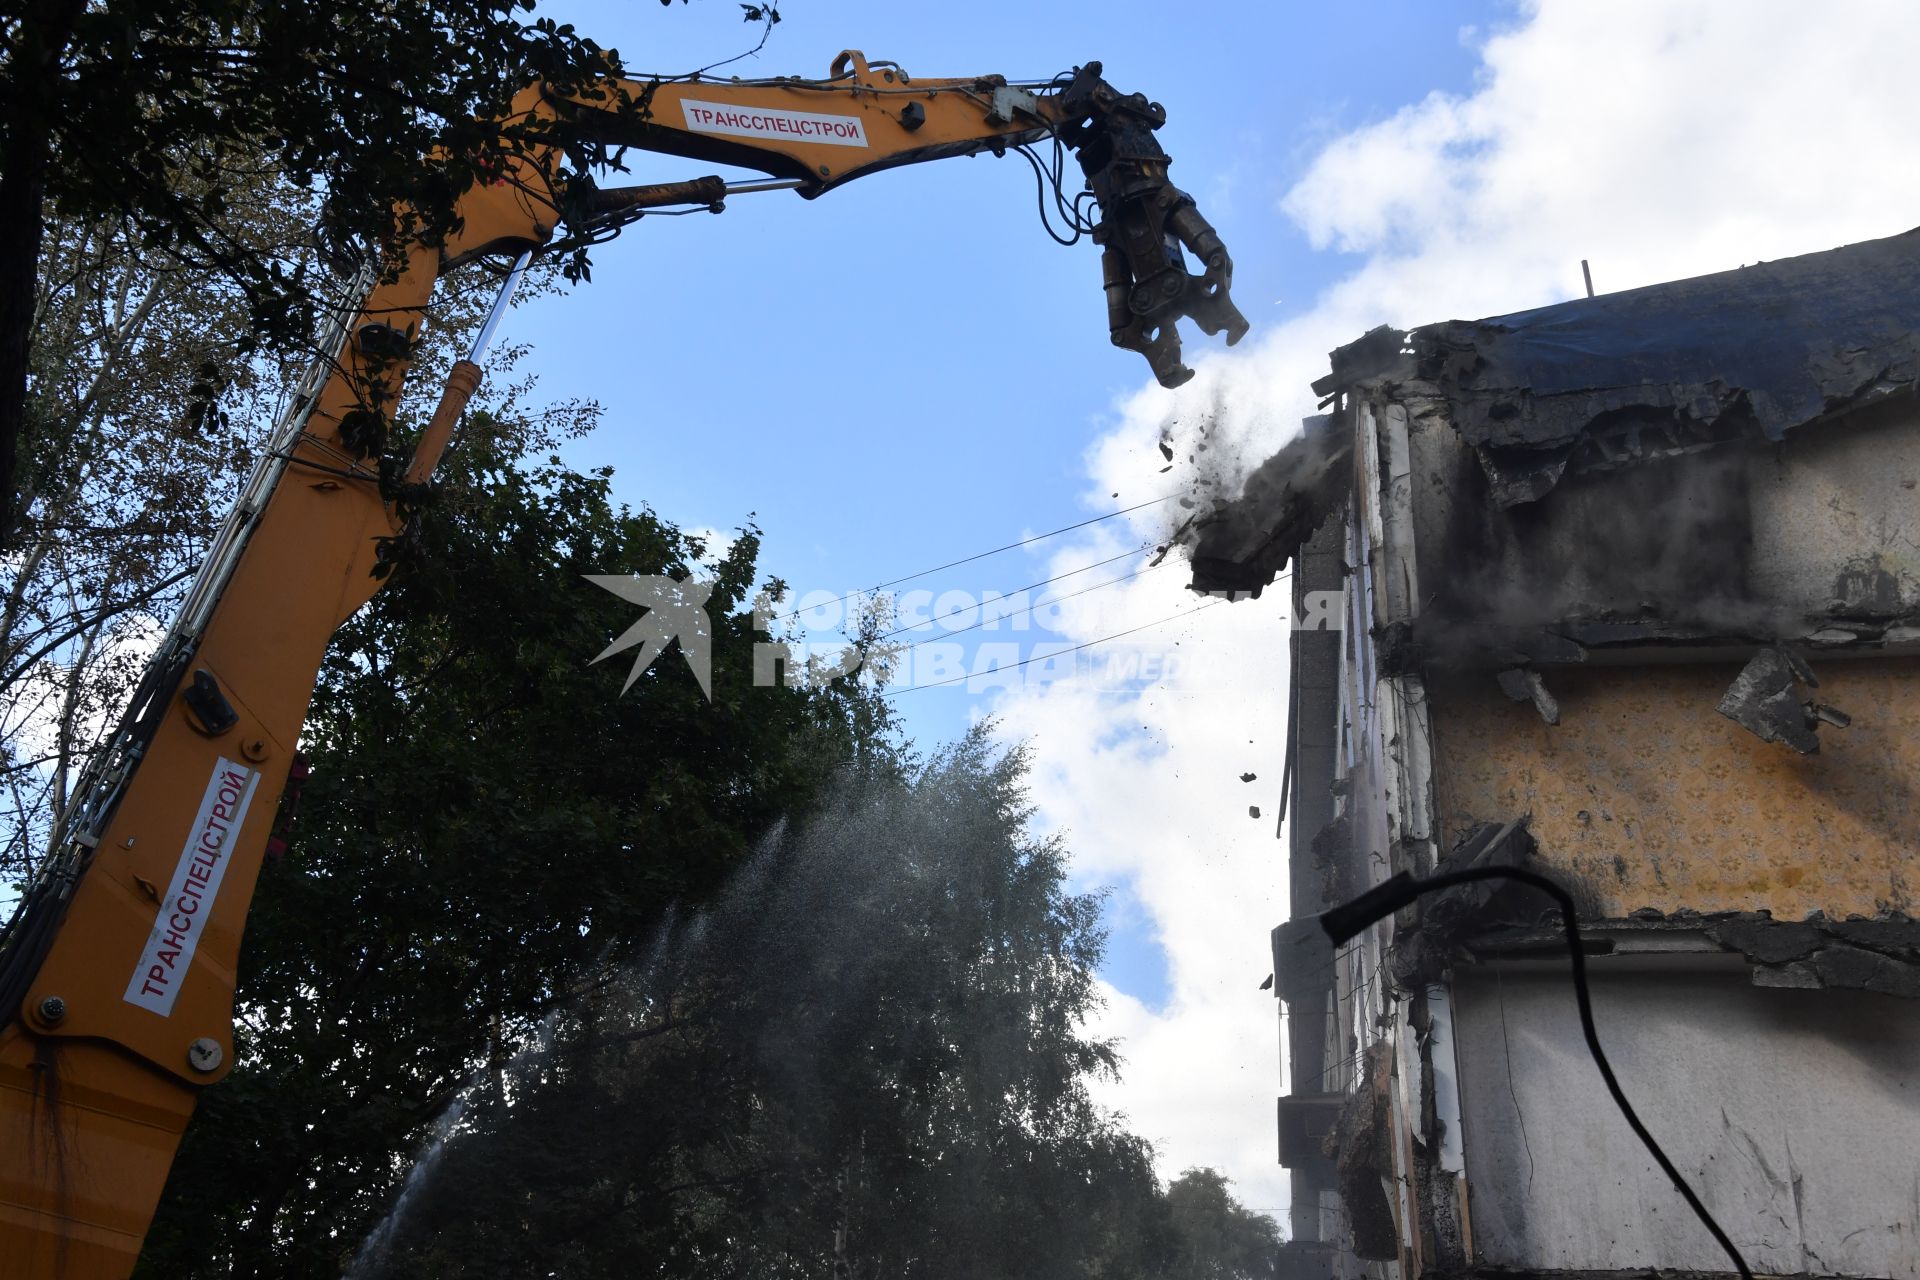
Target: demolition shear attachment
pixel 1147 227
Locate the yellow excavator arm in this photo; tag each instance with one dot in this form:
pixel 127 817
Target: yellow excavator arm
pixel 117 972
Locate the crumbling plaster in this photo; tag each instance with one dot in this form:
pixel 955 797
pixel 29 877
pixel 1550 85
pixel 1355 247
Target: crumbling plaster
pixel 1814 541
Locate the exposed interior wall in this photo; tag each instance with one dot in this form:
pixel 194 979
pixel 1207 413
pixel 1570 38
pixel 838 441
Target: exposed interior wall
pixel 1659 531
pixel 1835 517
pixel 1737 1083
pixel 1647 797
pixel 1816 539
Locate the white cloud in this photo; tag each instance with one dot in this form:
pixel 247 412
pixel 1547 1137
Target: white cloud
pixel 1658 141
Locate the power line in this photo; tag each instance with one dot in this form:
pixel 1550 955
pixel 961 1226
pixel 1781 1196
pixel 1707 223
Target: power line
pixel 1184 613
pixel 954 613
pixel 1071 595
pixel 1011 546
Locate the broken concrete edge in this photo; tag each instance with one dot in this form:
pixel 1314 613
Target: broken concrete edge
pixel 1426 934
pixel 1596 384
pixel 1861 953
pixel 1238 548
pixel 1361 1147
pixel 1878 953
pixel 1407 648
pixel 1675 367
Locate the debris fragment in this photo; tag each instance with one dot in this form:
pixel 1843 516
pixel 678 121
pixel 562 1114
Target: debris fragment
pixel 1244 544
pixel 1523 684
pixel 1166 450
pixel 1160 553
pixel 1253 811
pixel 1764 701
pixel 1361 1145
pixel 1268 984
pixel 1421 953
pixel 1248 777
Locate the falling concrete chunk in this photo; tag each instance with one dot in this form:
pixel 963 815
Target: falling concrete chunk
pixel 1248 777
pixel 1523 684
pixel 1253 811
pixel 1764 700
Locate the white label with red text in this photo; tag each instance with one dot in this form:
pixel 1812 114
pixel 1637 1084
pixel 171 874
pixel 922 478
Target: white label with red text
pixel 771 122
pixel 182 918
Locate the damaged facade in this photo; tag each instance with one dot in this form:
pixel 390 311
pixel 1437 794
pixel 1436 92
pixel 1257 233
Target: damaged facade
pixel 1625 590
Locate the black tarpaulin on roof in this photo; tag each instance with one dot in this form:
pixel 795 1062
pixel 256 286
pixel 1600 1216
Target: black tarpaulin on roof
pixel 1765 348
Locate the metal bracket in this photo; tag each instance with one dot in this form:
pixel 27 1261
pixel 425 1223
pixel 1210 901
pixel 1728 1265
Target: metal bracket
pixel 1007 101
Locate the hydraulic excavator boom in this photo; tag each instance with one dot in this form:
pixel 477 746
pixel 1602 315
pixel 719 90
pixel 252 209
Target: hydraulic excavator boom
pixel 117 972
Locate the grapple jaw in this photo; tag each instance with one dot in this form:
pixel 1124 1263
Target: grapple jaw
pixel 1147 226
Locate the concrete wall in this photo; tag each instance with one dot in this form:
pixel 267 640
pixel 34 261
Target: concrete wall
pixel 1797 1111
pixel 1795 1114
pixel 1835 516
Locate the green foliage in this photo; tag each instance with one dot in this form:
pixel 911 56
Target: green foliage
pixel 161 112
pixel 703 989
pixel 165 118
pixel 866 1059
pixel 1219 1239
pixel 487 824
pixel 142 425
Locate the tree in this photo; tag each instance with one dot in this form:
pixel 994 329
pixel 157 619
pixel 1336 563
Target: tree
pixel 144 424
pixel 161 115
pixel 488 827
pixel 865 1059
pixel 147 416
pixel 550 979
pixel 1219 1238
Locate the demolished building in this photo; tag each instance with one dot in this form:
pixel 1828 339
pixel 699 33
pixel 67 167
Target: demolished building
pixel 1625 590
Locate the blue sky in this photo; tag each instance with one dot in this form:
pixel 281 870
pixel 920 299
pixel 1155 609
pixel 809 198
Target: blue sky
pixel 907 370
